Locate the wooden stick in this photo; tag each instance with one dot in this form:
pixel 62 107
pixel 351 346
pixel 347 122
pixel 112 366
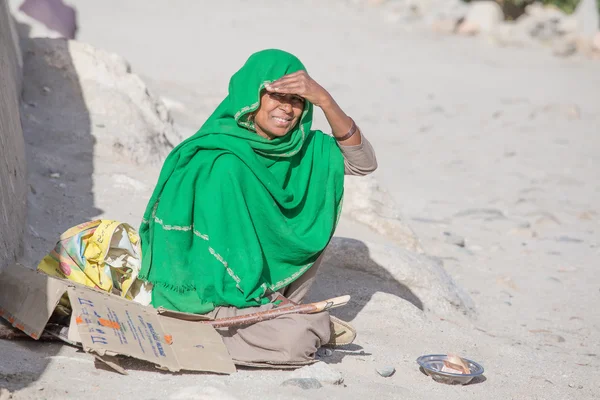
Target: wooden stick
pixel 310 308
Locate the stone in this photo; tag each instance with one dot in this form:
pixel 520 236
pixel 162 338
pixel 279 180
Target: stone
pixel 468 28
pixel 483 16
pixel 366 202
pixel 568 25
pixel 136 124
pixel 585 45
pixel 303 383
pixel 386 371
pixel 534 9
pixel 320 371
pixel 565 48
pixel 509 33
pixel 324 352
pixel 545 24
pixel 426 283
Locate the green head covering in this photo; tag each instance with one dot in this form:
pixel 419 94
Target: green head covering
pixel 235 216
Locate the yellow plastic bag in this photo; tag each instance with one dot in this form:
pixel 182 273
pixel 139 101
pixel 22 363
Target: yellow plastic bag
pixel 102 254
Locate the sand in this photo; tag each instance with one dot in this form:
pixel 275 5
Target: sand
pixel 496 146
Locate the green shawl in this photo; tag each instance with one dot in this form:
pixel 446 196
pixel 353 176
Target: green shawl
pixel 235 217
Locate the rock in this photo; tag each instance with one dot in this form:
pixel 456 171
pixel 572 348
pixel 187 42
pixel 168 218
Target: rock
pixel 585 45
pixel 545 24
pixel 303 383
pixel 365 201
pixel 428 286
pixel 534 9
pixel 456 240
pixel 509 33
pixel 468 28
pixel 386 371
pixel 92 87
pixel 321 372
pixel 483 16
pixel 568 25
pixel 324 352
pixel 565 48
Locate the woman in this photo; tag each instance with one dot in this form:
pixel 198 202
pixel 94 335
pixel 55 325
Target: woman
pixel 243 210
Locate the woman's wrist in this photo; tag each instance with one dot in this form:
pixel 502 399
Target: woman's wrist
pixel 326 102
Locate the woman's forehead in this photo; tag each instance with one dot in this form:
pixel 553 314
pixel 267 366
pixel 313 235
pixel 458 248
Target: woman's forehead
pixel 284 96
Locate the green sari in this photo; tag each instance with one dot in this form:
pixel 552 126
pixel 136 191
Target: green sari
pixel 235 217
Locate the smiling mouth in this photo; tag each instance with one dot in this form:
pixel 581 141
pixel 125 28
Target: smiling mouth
pixel 282 121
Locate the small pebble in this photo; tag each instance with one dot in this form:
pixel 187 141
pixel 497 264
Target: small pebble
pixel 46 89
pixel 386 371
pixel 324 352
pixel 303 383
pixel 55 175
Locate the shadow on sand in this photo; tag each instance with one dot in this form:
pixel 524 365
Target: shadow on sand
pixel 59 149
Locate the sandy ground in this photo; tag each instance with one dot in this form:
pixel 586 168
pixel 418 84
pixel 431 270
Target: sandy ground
pixel 497 146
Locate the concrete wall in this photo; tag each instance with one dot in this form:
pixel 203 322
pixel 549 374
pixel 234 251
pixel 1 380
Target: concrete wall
pixel 13 181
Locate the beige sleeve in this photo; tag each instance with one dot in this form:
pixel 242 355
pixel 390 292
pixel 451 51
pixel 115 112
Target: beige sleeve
pixel 360 159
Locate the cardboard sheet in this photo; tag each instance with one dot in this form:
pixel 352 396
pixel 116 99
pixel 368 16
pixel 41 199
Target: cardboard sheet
pixel 27 299
pixel 107 324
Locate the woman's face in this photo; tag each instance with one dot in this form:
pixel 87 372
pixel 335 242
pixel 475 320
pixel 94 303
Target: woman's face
pixel 278 114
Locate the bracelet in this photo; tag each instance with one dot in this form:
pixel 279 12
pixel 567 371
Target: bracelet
pixel 351 132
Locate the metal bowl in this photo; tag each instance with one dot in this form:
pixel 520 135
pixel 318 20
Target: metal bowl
pixel 432 365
